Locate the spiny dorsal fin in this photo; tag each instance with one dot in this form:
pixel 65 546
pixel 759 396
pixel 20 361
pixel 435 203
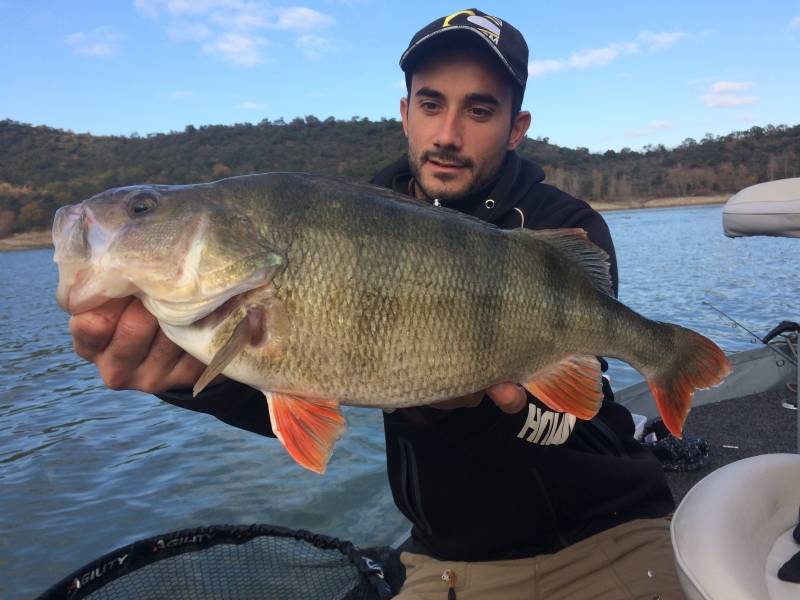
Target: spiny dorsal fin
pixel 577 246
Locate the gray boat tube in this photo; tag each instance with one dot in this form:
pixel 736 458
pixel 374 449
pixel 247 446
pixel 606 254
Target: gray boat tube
pixel 771 208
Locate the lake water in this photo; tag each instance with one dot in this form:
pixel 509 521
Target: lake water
pixel 84 470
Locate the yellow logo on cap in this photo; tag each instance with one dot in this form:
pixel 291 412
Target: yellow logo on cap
pixel 488 25
pixel 449 18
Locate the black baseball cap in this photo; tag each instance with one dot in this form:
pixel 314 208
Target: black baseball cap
pixel 471 26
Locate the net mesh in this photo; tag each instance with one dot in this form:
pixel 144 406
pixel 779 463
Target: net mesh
pixel 223 562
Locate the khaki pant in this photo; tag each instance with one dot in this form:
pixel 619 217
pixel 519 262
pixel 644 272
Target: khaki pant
pixel 631 561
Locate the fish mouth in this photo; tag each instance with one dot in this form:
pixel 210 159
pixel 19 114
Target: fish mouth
pixel 71 294
pixel 82 288
pixel 79 240
pixel 72 254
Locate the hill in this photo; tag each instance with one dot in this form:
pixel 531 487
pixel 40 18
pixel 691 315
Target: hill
pixel 42 168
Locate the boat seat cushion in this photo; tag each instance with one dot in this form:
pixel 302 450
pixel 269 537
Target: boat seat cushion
pixel 733 530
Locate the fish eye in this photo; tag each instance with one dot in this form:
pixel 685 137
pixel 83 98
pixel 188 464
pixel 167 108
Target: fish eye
pixel 141 203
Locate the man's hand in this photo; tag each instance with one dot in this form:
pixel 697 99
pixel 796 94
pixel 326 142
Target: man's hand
pixel 509 397
pixel 129 349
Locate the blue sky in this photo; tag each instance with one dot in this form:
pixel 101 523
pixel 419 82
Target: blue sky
pixel 602 74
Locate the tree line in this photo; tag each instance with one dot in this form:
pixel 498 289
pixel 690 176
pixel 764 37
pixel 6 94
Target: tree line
pixel 42 168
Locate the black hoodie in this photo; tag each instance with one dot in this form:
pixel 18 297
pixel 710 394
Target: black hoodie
pixel 479 484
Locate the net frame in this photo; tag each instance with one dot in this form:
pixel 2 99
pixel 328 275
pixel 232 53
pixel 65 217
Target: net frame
pixel 128 559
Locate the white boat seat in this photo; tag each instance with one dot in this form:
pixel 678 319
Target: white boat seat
pixel 733 530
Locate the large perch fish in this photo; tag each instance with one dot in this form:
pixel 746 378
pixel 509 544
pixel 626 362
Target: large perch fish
pixel 322 293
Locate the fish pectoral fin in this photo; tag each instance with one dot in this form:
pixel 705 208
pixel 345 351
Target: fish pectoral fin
pixel 235 344
pixel 307 427
pixel 573 386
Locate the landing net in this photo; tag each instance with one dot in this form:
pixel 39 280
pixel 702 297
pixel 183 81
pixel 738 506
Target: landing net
pixel 235 562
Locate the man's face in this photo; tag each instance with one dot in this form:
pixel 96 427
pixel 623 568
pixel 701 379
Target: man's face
pixel 457 119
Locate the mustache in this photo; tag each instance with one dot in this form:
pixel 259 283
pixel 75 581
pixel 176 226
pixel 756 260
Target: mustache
pixel 448 157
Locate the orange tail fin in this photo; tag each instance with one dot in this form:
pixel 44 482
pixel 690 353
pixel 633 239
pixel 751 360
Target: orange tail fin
pixel 699 364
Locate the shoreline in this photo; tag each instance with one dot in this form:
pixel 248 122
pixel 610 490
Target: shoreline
pixel 30 240
pixel 660 203
pixel 34 240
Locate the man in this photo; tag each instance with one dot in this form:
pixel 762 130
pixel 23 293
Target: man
pixel 507 498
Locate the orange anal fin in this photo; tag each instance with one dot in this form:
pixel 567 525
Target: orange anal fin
pixel 307 427
pixel 572 386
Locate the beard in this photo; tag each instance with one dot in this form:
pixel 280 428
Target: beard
pixel 444 186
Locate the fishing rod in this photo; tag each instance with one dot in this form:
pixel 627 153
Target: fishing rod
pixel 764 340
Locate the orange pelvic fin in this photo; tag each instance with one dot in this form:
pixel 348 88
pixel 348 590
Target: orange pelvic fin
pixel 307 427
pixel 572 386
pixel 701 364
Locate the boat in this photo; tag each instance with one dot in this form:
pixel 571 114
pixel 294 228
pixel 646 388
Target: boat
pixel 770 208
pixel 735 532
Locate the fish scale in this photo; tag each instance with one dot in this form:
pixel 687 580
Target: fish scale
pixel 409 345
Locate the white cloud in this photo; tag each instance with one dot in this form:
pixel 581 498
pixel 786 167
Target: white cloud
pixel 100 43
pixel 650 129
pixel 660 40
pixel 153 8
pixel 235 30
pixel 313 46
pixel 238 49
pixel 722 87
pixel 585 59
pixel 250 105
pixel 238 16
pixel 147 8
pixel 300 18
pixel 537 68
pixel 794 23
pixel 601 57
pixel 725 94
pixel 727 100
